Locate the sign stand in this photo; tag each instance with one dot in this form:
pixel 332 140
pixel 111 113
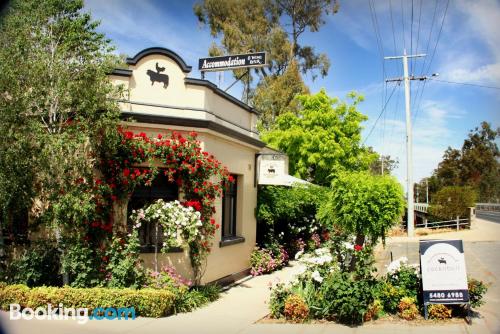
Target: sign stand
pixel 444 276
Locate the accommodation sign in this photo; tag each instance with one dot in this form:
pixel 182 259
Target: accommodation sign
pixel 444 276
pixel 222 63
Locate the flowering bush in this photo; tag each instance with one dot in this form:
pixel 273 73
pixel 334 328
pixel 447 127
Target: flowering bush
pixel 180 224
pixel 265 261
pixel 200 177
pixel 166 278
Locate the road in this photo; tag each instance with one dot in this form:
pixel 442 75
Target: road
pixel 491 216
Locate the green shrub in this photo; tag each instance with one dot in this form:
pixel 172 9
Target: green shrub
pixel 38 265
pixel 346 298
pixel 277 302
pixel 407 308
pixel 439 311
pixel 147 302
pixel 288 214
pixel 123 265
pixel 477 289
pixel 450 202
pixel 390 296
pixel 82 262
pixel 195 297
pixel 375 310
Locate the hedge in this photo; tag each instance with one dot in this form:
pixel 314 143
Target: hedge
pixel 147 302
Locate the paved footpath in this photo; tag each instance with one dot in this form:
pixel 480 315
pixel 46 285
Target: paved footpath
pixel 240 307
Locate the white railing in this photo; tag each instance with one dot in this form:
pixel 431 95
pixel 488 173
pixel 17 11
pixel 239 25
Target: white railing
pixel 488 206
pixel 422 207
pixel 455 223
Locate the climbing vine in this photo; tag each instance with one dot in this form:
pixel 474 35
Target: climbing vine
pixel 201 178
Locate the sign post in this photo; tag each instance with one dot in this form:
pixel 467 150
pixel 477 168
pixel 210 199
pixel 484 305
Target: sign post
pixel 444 275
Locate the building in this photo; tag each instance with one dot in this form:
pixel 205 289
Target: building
pixel 162 97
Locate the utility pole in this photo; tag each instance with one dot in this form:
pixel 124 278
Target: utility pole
pixel 382 165
pixel 409 161
pixel 426 190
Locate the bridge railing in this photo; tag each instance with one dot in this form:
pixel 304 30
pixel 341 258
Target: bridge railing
pixel 422 207
pixel 488 206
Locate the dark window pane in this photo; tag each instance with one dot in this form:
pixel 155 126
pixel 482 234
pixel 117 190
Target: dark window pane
pixel 229 210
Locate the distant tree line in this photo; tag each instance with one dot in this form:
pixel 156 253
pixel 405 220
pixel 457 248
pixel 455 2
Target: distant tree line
pixel 475 166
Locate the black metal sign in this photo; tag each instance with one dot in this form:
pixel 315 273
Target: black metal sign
pixel 444 276
pixel 257 59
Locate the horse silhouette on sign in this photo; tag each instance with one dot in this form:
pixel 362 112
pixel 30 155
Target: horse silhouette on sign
pixel 157 76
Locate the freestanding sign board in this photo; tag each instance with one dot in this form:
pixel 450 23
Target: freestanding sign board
pixel 444 276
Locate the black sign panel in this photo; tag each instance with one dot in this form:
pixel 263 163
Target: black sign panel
pixel 257 59
pixel 444 276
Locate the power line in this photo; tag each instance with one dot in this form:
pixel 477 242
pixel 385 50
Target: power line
pixel 403 22
pixel 392 24
pixel 411 39
pixel 432 57
pixel 465 83
pixel 439 36
pixel 381 112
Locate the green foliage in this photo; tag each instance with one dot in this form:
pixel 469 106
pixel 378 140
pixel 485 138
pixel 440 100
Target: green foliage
pixel 477 289
pixel 285 215
pixel 123 267
pixel 147 302
pixel 439 311
pixel 196 297
pixel 275 95
pixel 279 294
pixel 82 262
pixel 475 165
pixel 38 265
pixel 259 25
pixel 363 204
pixel 453 201
pixel 322 139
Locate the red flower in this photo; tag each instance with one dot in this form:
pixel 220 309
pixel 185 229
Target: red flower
pixel 196 190
pixel 357 248
pixel 159 136
pixel 212 221
pixel 126 172
pixel 113 198
pixel 217 226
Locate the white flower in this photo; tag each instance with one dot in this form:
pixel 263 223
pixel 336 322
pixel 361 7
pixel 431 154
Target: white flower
pixel 316 276
pixel 395 265
pixel 299 254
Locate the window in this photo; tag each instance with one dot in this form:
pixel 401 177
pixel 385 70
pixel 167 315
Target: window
pixel 144 195
pixel 229 210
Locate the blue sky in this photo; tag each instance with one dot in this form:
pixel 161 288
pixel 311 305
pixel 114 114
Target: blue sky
pixel 468 50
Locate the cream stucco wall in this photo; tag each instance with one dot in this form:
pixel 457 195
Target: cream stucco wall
pixel 192 101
